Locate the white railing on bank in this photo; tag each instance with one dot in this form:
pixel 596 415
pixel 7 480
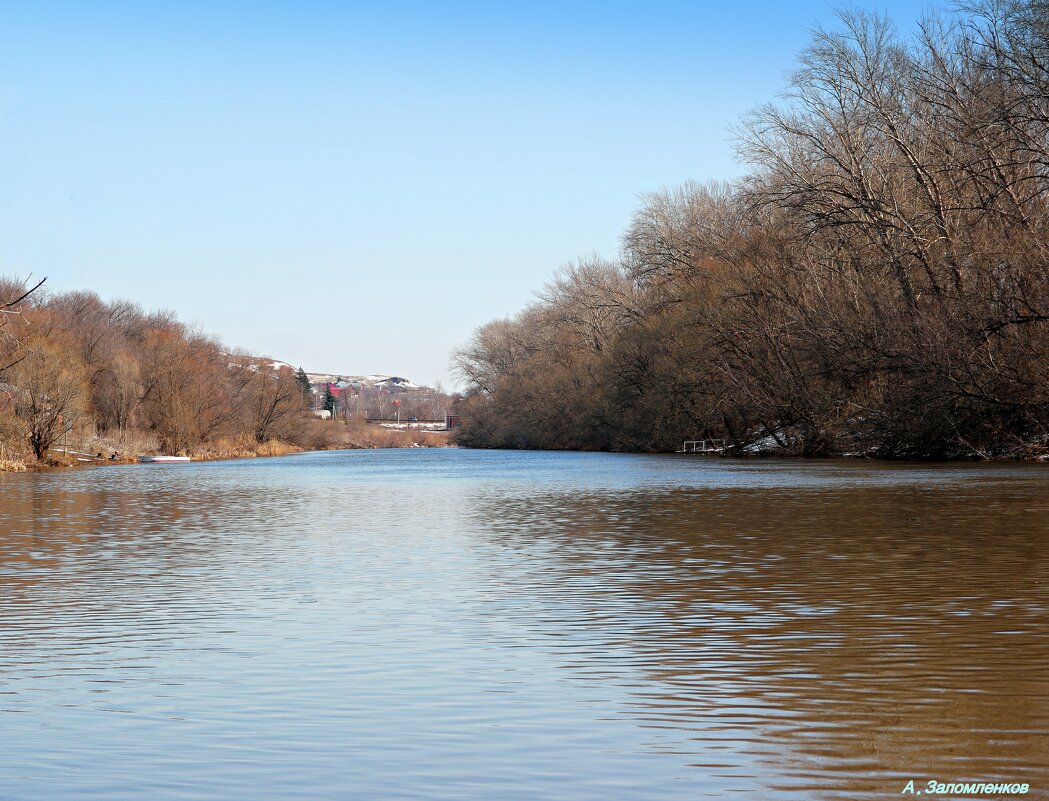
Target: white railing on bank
pixel 703 446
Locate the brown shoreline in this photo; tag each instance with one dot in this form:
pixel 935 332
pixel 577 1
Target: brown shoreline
pixel 265 450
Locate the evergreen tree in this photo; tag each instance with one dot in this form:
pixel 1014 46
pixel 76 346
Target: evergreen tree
pixel 306 386
pixel 329 400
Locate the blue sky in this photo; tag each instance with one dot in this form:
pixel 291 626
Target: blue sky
pixel 355 187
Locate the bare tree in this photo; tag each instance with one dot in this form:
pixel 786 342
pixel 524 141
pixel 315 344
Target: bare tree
pixel 14 296
pixel 878 283
pixel 275 400
pixel 51 392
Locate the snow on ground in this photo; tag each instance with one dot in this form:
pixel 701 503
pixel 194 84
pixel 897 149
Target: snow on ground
pixel 396 381
pixel 763 445
pixel 375 380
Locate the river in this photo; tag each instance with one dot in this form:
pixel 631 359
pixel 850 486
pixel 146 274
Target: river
pixel 453 624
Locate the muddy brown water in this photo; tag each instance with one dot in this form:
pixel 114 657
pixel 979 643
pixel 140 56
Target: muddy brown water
pixel 448 624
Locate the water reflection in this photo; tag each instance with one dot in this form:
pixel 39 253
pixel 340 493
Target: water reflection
pixel 839 636
pixel 478 625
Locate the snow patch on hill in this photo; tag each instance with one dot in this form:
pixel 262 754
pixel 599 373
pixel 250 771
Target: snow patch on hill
pixel 379 381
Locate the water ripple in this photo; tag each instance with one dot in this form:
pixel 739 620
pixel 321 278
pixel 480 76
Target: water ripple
pixel 472 625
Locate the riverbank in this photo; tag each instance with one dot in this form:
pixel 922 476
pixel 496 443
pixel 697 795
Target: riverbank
pixel 784 442
pixel 104 451
pixel 1032 452
pixel 791 445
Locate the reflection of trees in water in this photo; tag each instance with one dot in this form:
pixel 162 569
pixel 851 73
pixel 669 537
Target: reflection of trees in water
pixel 120 546
pixel 869 632
pixel 838 637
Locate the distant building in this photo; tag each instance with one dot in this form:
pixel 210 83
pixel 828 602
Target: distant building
pixel 452 421
pixel 337 388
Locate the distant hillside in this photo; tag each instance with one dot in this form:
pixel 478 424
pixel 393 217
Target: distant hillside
pixel 374 381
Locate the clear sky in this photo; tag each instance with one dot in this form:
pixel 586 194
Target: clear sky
pixel 354 187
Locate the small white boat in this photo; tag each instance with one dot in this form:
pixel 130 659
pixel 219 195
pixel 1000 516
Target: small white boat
pixel 164 459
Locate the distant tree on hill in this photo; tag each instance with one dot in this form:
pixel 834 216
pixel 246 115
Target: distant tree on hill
pixel 329 400
pixel 305 385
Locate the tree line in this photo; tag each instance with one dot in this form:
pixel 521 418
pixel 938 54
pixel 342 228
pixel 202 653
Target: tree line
pixel 877 283
pixel 77 369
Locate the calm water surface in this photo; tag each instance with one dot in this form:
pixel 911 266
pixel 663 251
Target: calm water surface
pixel 484 625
